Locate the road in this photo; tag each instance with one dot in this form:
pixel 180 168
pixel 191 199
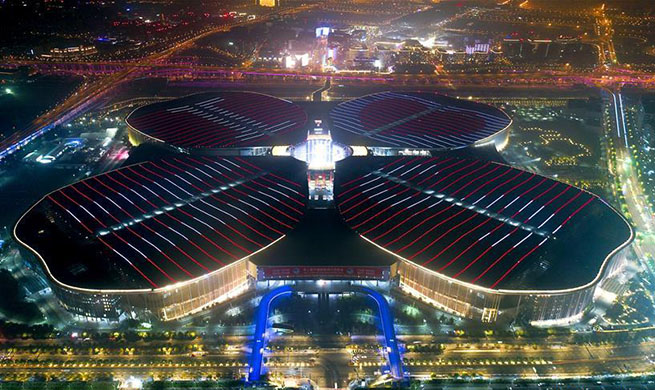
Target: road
pixel 158 66
pixel 325 360
pixel 640 213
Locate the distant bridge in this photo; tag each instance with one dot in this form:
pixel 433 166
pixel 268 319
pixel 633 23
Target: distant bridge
pixel 191 70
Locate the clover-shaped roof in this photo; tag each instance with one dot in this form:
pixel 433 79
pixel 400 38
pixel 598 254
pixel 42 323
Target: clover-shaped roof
pixel 171 220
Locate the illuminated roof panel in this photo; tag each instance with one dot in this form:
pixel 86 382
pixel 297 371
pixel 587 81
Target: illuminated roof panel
pixel 218 120
pixel 418 120
pixel 162 222
pixel 480 222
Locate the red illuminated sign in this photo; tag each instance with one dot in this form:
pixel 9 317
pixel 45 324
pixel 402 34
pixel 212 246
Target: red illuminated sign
pixel 317 272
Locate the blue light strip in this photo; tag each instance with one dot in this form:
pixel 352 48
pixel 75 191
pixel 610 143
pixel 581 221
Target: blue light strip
pixel 393 352
pixel 259 339
pixel 263 311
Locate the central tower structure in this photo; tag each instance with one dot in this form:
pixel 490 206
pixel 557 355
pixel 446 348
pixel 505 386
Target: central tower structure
pixel 321 154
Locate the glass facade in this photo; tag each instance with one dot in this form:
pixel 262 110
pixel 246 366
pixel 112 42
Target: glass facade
pixel 558 308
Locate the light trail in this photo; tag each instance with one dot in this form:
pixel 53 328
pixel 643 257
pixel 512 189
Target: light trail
pixel 625 128
pixel 618 108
